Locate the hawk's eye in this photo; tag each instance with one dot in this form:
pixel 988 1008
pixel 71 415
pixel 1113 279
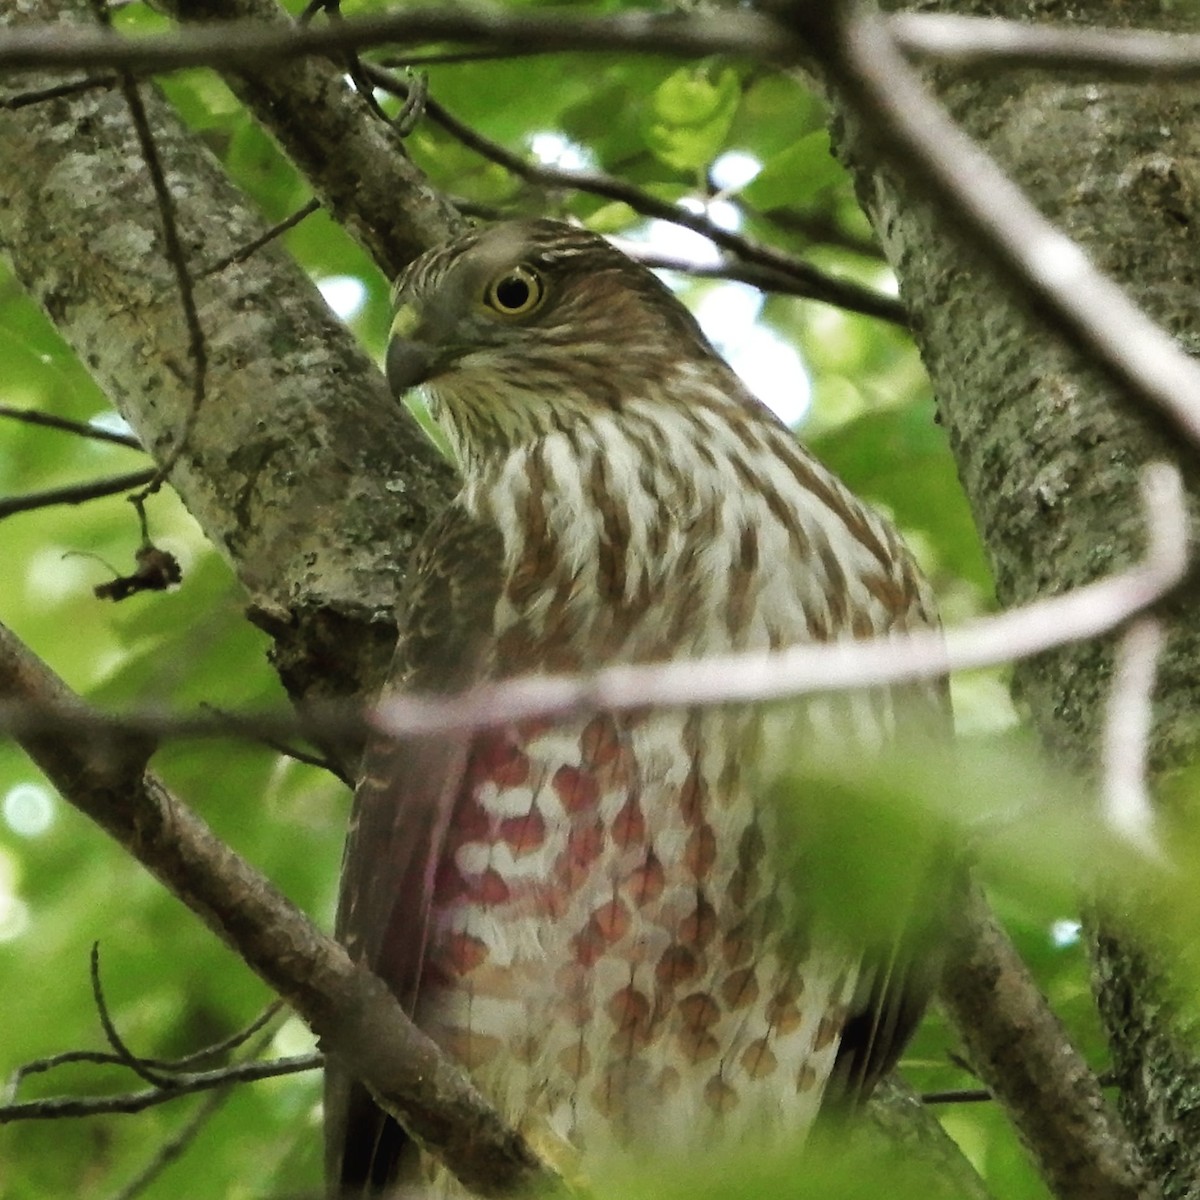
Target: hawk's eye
pixel 516 292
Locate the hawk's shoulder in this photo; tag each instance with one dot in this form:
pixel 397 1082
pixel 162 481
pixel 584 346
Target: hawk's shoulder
pixel 446 611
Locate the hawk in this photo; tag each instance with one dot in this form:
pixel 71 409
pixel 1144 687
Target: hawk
pixel 587 913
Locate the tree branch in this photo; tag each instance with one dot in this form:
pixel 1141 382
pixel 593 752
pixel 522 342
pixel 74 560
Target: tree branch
pixel 789 274
pixel 55 1108
pixel 75 493
pixel 260 37
pixel 1023 1053
pixel 35 416
pixel 352 1012
pixel 293 475
pixel 267 40
pixel 911 131
pixel 1084 613
pixel 990 43
pixel 1033 430
pixel 355 162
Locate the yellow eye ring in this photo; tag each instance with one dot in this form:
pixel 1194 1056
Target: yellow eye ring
pixel 515 292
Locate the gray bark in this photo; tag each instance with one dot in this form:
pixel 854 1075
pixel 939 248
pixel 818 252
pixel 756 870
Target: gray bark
pixel 1049 452
pixel 301 468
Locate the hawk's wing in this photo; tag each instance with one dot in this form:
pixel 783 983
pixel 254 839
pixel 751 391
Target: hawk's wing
pixel 402 807
pixel 900 973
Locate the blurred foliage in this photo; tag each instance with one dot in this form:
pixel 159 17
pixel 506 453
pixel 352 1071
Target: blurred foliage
pixel 171 987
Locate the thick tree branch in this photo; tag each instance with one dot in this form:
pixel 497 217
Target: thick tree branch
pixel 355 1016
pixel 355 162
pixel 241 44
pixel 911 131
pixel 1035 428
pixel 293 475
pixel 1024 1054
pixel 241 40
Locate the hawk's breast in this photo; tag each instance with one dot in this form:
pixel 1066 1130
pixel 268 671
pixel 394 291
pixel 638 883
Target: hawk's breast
pixel 611 951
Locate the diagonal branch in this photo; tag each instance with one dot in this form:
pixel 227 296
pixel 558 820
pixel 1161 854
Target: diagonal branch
pixel 911 130
pixel 356 1018
pixel 1023 1053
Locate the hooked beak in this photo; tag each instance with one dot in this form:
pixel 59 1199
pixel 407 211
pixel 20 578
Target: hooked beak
pixel 409 364
pixel 411 359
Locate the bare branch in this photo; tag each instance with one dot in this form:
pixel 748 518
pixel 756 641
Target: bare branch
pixel 75 493
pixel 910 129
pixel 175 1145
pixel 995 44
pixel 124 1055
pixel 173 246
pixel 1021 1051
pixel 251 43
pixel 34 416
pixel 789 274
pixel 957 1096
pixel 1126 799
pixel 41 95
pixel 59 1107
pixel 107 1058
pixel 1022 632
pixel 353 1013
pixel 964 40
pixel 768 279
pixel 278 230
pixel 1018 633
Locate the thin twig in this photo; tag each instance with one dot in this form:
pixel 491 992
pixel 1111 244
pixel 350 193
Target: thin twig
pixel 1019 633
pixel 806 280
pixel 957 1096
pixel 34 416
pixel 279 745
pixel 1086 612
pixel 175 1145
pixel 244 252
pixel 59 1107
pixel 75 493
pixel 176 256
pixel 113 1037
pixel 41 95
pixel 1127 806
pixel 765 278
pixel 40 1066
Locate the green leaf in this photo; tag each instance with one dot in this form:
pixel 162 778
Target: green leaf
pixel 690 116
pixel 797 176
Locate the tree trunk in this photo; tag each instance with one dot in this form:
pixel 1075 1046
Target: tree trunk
pixel 1049 451
pixel 300 468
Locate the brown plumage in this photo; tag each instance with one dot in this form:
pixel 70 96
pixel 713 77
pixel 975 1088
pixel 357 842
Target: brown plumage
pixel 589 914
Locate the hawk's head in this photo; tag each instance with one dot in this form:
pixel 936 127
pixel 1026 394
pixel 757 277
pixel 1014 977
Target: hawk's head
pixel 518 328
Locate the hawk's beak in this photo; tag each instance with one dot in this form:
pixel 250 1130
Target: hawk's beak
pixel 411 358
pixel 409 364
